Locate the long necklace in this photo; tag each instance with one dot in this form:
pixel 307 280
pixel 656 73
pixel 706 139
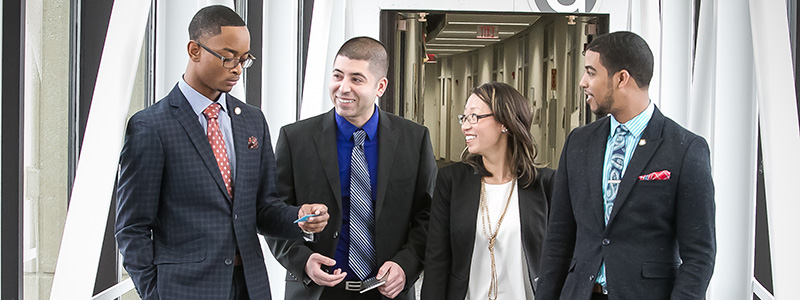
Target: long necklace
pixel 491 236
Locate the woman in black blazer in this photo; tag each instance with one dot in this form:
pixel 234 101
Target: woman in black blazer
pixel 489 211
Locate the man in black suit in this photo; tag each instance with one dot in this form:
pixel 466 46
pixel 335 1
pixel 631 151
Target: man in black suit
pixel 197 179
pixel 633 205
pixel 375 171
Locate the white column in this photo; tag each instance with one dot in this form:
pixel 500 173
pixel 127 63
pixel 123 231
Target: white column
pixel 650 29
pixel 677 31
pixel 279 95
pixel 84 230
pixel 327 28
pixel 701 106
pixel 734 152
pixel 779 137
pixel 279 80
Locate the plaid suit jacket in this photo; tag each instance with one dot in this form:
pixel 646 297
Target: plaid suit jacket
pixel 177 227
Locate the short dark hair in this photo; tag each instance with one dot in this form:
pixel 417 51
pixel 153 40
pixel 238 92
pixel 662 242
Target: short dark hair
pixel 625 50
pixel 511 109
pixel 207 22
pixel 369 49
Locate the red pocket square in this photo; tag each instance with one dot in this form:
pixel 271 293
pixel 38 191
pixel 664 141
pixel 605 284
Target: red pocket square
pixel 660 175
pixel 252 143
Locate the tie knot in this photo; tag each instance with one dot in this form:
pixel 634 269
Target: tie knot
pixel 359 136
pixel 621 130
pixel 212 111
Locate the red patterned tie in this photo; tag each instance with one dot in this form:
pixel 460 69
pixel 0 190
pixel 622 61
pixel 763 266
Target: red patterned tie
pixel 218 144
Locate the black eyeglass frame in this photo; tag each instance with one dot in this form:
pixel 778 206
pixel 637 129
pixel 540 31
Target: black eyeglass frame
pixel 471 117
pixel 245 62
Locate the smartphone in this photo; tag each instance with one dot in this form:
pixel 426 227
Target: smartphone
pixel 304 218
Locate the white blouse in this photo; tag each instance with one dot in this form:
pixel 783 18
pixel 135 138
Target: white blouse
pixel 512 267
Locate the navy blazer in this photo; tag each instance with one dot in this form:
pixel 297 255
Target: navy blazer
pixel 309 173
pixel 451 233
pixel 660 239
pixel 177 227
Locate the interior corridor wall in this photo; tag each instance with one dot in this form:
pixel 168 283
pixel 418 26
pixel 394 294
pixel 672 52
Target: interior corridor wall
pixel 430 98
pixel 568 74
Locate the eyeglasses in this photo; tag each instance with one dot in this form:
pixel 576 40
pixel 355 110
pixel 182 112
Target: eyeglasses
pixel 232 62
pixel 472 118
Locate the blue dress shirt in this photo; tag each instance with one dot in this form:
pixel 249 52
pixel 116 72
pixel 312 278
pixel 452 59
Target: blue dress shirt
pixel 344 149
pixel 635 128
pixel 199 103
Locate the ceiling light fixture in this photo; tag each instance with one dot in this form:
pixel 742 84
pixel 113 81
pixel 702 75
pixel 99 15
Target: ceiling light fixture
pixel 447 50
pixel 488 23
pixel 455 45
pixel 465 39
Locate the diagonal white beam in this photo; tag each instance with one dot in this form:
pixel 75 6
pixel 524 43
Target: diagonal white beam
pixel 780 139
pixel 676 58
pixel 734 152
pixel 81 243
pixel 314 93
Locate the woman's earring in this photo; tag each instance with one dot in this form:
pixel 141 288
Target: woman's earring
pixel 504 130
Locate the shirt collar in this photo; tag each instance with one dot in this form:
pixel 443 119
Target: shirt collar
pixel 198 101
pixel 636 125
pixel 346 128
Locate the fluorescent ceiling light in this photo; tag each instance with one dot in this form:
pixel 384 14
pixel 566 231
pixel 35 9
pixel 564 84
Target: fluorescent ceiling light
pixel 455 45
pixel 488 23
pixel 470 32
pixel 466 39
pixel 446 50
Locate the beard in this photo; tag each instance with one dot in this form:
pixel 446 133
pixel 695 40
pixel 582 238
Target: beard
pixel 604 107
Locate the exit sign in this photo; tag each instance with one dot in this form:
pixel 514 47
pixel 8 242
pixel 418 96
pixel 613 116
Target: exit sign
pixel 487 32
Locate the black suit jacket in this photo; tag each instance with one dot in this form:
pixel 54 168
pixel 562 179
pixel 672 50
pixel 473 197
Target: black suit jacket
pixel 308 172
pixel 660 240
pixel 451 232
pixel 177 228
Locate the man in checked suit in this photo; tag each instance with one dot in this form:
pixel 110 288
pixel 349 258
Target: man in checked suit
pixel 197 179
pixel 633 205
pixel 375 171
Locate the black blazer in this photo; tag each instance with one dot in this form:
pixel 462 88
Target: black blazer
pixel 177 228
pixel 660 239
pixel 451 232
pixel 308 172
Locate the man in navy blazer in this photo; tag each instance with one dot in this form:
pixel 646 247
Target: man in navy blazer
pixel 197 179
pixel 633 205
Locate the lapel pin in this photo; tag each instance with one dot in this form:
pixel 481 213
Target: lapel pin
pixel 237 110
pixel 642 142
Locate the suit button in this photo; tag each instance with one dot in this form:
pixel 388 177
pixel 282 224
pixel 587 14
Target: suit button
pixel 591 277
pixel 235 216
pixel 605 242
pixel 336 234
pixel 228 261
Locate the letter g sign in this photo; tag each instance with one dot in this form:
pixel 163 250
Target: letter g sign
pixel 566 6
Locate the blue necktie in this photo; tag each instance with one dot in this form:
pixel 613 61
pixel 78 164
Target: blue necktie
pixel 616 162
pixel 361 256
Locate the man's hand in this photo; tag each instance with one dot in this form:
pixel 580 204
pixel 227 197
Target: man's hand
pixel 320 277
pixel 313 224
pixel 395 279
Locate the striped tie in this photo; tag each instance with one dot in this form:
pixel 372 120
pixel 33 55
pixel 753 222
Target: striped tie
pixel 615 165
pixel 361 257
